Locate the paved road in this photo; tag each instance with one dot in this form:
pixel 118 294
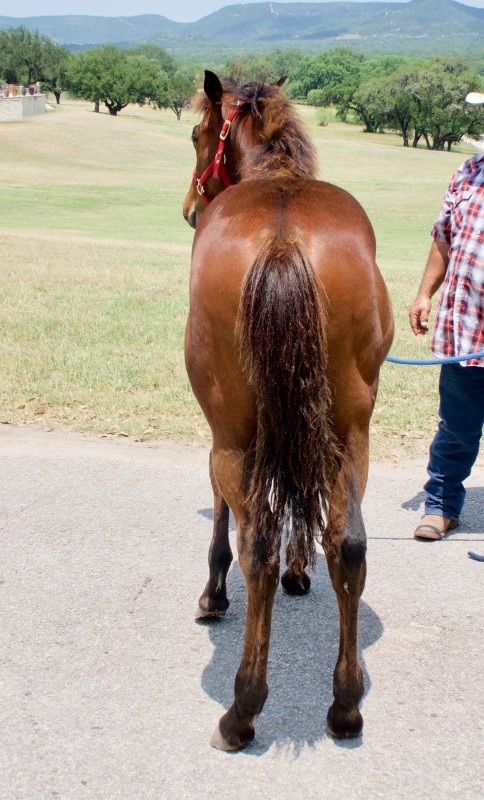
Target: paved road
pixel 111 690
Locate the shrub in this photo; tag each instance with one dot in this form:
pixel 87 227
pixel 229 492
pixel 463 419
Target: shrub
pixel 324 116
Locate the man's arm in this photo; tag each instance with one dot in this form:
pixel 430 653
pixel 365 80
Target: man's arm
pixel 432 279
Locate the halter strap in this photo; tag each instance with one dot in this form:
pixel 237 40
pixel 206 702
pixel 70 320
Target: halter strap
pixel 217 166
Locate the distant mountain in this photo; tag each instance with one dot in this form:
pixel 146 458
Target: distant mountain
pixel 84 30
pixel 419 26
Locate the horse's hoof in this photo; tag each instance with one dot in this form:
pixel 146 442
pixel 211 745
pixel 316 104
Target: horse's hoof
pixel 220 743
pixel 211 607
pixel 295 584
pixel 348 726
pixel 202 613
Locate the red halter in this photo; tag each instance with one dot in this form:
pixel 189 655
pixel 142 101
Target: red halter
pixel 217 166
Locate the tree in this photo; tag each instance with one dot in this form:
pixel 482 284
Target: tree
pixel 368 103
pixel 426 97
pixel 56 77
pixel 27 57
pixel 365 96
pixel 284 62
pixel 268 68
pixel 111 76
pixel 250 68
pixel 437 89
pixel 399 107
pixel 381 67
pixel 176 92
pixel 335 72
pixel 316 98
pixel 162 57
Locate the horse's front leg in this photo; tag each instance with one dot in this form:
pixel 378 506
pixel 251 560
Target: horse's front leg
pixel 236 727
pixel 213 601
pixel 344 543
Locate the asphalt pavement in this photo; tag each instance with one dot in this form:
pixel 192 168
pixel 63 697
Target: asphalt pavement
pixel 111 690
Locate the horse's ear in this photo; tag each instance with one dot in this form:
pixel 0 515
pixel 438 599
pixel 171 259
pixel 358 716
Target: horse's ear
pixel 281 81
pixel 212 87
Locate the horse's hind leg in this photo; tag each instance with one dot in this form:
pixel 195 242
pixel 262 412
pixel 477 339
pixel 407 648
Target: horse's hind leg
pixel 345 547
pixel 213 601
pixel 295 580
pixel 236 727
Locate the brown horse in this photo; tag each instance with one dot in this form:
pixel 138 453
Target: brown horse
pixel 288 326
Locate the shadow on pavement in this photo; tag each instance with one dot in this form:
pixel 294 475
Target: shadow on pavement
pixel 207 513
pixel 304 649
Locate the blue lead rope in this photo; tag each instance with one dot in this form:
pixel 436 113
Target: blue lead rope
pixel 430 362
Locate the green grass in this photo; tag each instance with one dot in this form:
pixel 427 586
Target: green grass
pixel 95 262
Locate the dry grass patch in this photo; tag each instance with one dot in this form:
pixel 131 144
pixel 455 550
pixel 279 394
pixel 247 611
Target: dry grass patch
pixel 92 337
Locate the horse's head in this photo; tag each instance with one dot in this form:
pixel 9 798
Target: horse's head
pixel 215 169
pixel 245 131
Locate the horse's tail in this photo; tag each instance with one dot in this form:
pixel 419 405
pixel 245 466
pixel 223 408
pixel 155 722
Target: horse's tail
pixel 294 462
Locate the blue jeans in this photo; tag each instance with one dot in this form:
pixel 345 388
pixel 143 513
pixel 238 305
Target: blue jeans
pixel 456 443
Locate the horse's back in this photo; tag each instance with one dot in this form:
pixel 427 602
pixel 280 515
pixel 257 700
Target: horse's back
pixel 331 225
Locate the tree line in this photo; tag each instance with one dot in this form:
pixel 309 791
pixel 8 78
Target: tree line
pixel 103 75
pixel 421 99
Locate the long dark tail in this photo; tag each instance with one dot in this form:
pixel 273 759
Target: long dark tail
pixel 295 459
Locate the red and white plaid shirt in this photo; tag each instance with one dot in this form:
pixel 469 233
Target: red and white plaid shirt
pixel 459 325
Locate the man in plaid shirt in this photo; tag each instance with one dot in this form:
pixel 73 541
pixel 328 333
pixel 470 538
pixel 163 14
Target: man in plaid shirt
pixel 456 260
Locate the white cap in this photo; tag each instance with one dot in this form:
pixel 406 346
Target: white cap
pixel 475 98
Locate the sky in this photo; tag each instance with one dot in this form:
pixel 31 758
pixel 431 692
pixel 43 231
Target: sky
pixel 180 11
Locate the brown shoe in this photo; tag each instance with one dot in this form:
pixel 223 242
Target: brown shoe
pixel 433 527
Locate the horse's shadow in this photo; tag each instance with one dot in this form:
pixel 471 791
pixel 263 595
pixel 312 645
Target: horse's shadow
pixel 208 514
pixel 303 654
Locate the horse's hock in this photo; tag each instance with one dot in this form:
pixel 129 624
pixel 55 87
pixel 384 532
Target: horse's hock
pixel 15 109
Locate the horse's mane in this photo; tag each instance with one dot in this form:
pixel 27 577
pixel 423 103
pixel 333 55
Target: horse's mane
pixel 279 145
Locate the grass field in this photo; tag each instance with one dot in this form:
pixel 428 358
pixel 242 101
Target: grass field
pixel 94 266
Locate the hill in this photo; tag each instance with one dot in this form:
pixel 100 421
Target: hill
pixel 416 27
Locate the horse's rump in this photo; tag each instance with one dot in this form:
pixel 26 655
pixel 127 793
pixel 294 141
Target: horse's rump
pixel 282 338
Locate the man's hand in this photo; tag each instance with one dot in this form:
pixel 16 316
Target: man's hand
pixel 432 279
pixel 419 315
